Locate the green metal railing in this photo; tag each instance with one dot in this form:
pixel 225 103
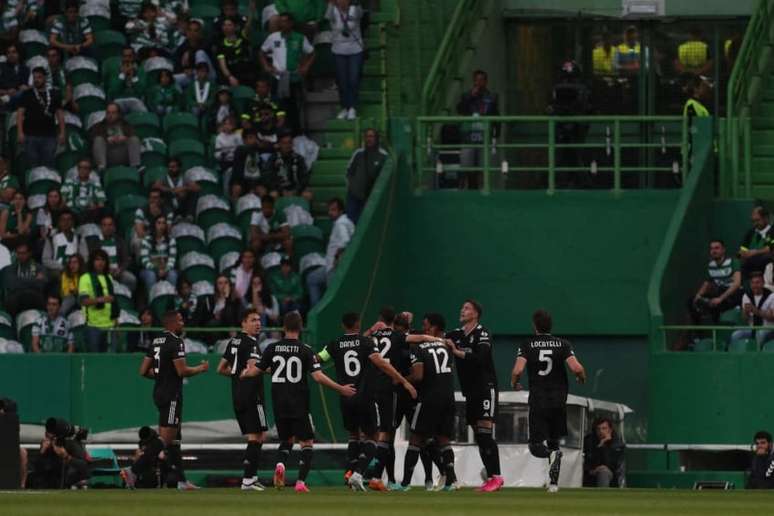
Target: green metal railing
pixel 612 143
pixel 712 330
pixel 744 87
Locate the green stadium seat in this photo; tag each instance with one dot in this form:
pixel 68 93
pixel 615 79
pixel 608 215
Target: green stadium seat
pixel 242 95
pixel 127 318
pixel 90 98
pixel 99 23
pixel 245 207
pixel 228 261
pixel 284 202
pixel 189 237
pixel 203 288
pixel 161 298
pixel 154 153
pixel 270 263
pixel 6 325
pixel 123 296
pixel 120 181
pixel 125 207
pixel 82 70
pixel 109 43
pixel 206 178
pixel 205 11
pixel 307 239
pixel 223 238
pixel 33 43
pixel 211 210
pixel 326 226
pixel 24 322
pixel 145 125
pixel 77 322
pixel 153 67
pixel 110 67
pixel 151 175
pixel 190 153
pixel 703 345
pixel 40 180
pixel 198 267
pixel 181 126
pixel 89 232
pixel 742 346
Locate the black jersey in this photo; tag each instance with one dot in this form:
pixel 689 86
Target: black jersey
pixel 240 350
pixel 393 348
pixel 438 374
pixel 350 356
pixel 476 371
pixel 164 350
pixel 290 362
pixel 546 355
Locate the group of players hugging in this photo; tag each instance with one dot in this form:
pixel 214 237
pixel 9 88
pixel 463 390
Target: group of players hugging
pixel 384 374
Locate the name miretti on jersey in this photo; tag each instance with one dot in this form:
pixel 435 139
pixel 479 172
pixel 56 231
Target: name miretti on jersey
pixel 283 348
pixel 544 343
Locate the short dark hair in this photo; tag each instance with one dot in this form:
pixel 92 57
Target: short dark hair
pixel 541 319
pixel 107 216
pixel 39 69
pixel 476 306
pixel 387 314
pixel 436 320
pixel 175 159
pixel 170 315
pixel 286 14
pixel 293 321
pixel 756 274
pixel 248 313
pixel 350 319
pixel 761 210
pixel 478 72
pixel 267 199
pixel 718 240
pixel 601 420
pixel 338 202
pixel 762 434
pixel 146 5
pixel 53 295
pixel 98 253
pixel 401 321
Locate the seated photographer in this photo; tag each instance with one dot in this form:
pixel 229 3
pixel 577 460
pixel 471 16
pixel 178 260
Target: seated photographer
pixel 603 456
pixel 762 467
pixel 62 462
pixel 147 464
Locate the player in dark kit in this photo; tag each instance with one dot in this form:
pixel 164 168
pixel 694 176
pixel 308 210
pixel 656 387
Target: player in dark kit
pixel 544 357
pixel 358 362
pixel 290 361
pixel 472 347
pixel 165 364
pixel 432 372
pixel 247 394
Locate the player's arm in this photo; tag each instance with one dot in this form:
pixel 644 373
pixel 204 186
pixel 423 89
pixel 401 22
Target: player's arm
pixel 377 360
pixel 416 339
pixel 518 370
pixel 184 371
pixel 224 367
pixel 323 379
pixel 702 290
pixel 417 373
pixel 577 369
pixel 146 367
pixel 378 325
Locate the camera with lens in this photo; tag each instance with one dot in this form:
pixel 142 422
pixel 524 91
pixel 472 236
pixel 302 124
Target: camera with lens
pixel 62 429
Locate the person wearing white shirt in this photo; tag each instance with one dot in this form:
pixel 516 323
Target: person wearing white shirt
pixel 341 234
pixel 757 310
pixel 348 50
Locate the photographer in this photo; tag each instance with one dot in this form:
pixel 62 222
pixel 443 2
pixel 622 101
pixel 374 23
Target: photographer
pixel 762 467
pixel 603 456
pixel 148 464
pixel 62 462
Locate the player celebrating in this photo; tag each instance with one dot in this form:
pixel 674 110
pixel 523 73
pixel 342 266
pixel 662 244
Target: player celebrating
pixel 247 394
pixel 290 361
pixel 358 362
pixel 165 364
pixel 472 349
pixel 544 357
pixel 431 370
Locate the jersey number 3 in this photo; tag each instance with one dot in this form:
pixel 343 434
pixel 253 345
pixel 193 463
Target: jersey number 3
pixel 545 356
pixel 286 370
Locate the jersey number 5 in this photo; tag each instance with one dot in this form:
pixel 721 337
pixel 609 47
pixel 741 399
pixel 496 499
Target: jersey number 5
pixel 286 370
pixel 545 356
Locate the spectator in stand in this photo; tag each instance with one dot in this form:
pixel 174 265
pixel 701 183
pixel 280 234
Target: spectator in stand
pixel 127 10
pixel 349 50
pixel 261 299
pixel 693 56
pixel 51 333
pixel 341 233
pixel 14 76
pixel 186 302
pixel 269 230
pixel 479 101
pixel 291 57
pixel 762 467
pixel 259 103
pixel 113 141
pixel 127 88
pixel 288 288
pixel 603 456
pixel 63 244
pixel 40 112
pixel 364 168
pixel 225 308
pixel 229 10
pixel 306 12
pixel 267 130
pixel 164 97
pixel 115 247
pixel 757 304
pixel 141 340
pixel 8 184
pixel 200 94
pixel 286 170
pixel 26 279
pixel 68 284
pixel 85 198
pixel 149 34
pixel 45 216
pixel 159 255
pixel 72 33
pixel 143 218
pixel 226 144
pixel 235 62
pixel 627 56
pixel 95 289
pixel 243 272
pixel 56 78
pixel 248 172
pixel 721 290
pixel 179 194
pixel 755 252
pixel 222 108
pixel 15 222
pixel 191 53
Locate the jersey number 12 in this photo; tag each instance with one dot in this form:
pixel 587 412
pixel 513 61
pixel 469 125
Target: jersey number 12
pixel 442 363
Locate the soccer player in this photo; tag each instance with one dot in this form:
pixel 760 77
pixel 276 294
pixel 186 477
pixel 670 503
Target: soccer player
pixel 432 372
pixel 472 349
pixel 290 361
pixel 358 362
pixel 165 364
pixel 247 394
pixel 544 357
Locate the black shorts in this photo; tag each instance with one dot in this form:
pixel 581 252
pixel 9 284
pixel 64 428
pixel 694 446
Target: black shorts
pixel 482 406
pixel 547 424
pixel 251 418
pixel 432 418
pixel 299 427
pixel 171 413
pixel 385 405
pixel 404 407
pixel 358 414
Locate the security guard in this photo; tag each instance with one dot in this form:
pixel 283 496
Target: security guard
pixel 698 90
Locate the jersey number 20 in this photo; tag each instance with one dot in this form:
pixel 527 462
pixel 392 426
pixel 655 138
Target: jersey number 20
pixel 286 370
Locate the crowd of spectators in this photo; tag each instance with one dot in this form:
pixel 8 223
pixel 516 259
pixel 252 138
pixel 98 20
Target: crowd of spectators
pixel 157 158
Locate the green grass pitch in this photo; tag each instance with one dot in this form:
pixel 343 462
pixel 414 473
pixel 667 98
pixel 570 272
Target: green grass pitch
pixel 338 501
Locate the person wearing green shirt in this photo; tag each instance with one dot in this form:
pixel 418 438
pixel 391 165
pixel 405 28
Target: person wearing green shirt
pixel 721 289
pixel 200 94
pixel 95 288
pixel 164 98
pixel 288 288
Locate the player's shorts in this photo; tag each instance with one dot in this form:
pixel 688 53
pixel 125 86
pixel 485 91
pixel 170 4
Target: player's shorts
pixel 301 428
pixel 404 407
pixel 358 414
pixel 547 424
pixel 251 418
pixel 171 413
pixel 482 406
pixel 433 417
pixel 385 404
